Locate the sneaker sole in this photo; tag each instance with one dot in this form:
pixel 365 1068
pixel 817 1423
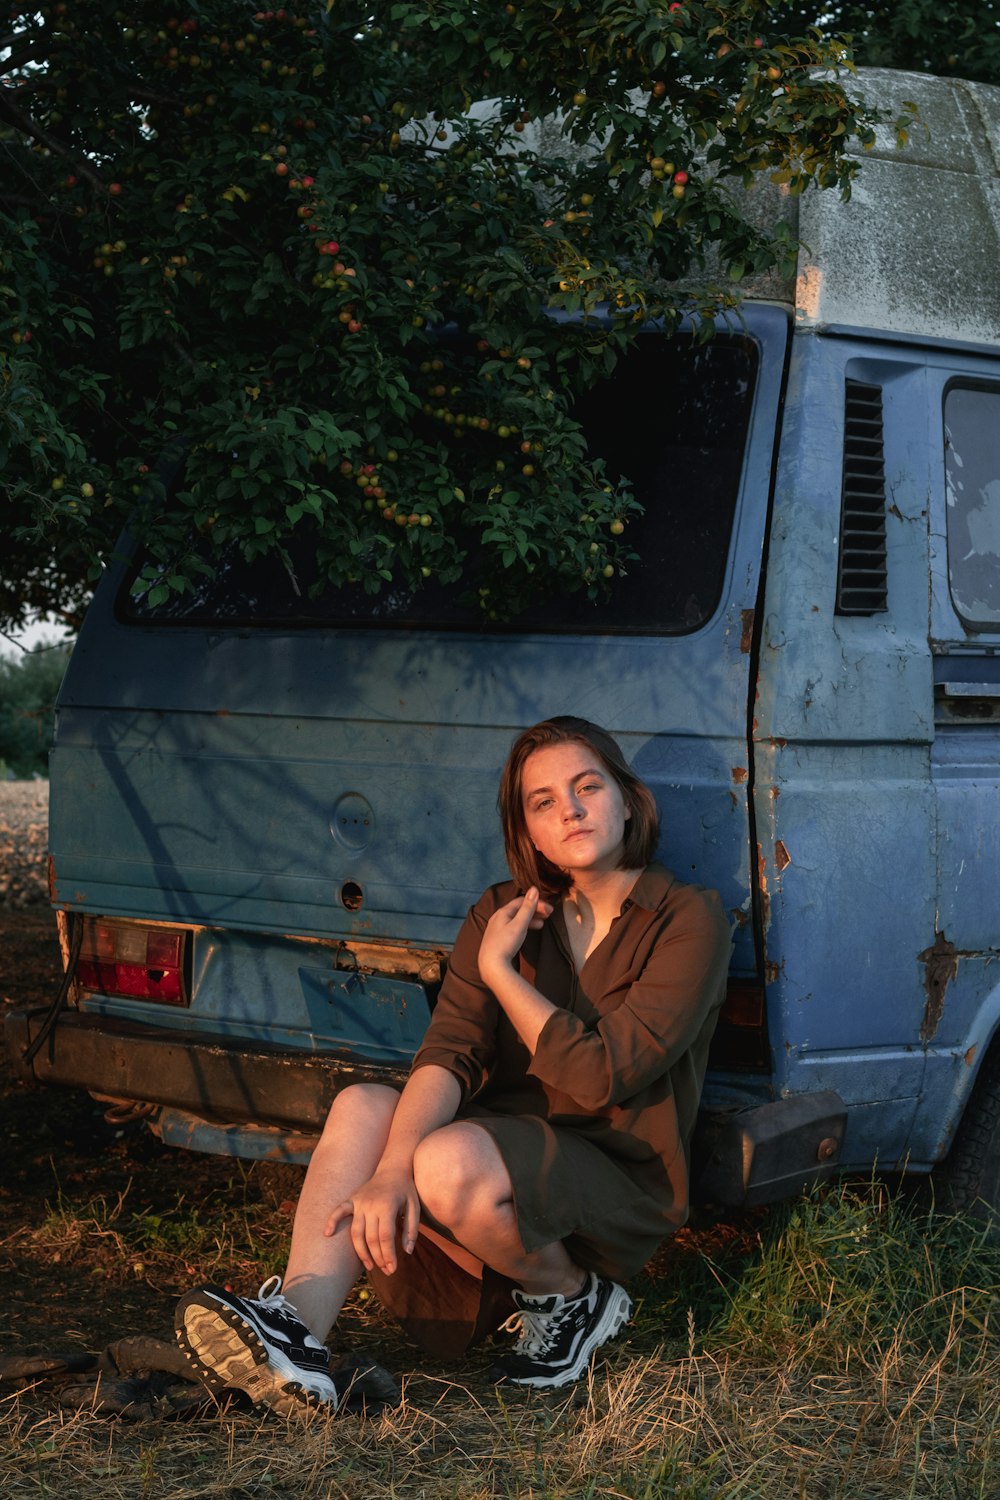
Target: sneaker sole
pixel 616 1314
pixel 227 1353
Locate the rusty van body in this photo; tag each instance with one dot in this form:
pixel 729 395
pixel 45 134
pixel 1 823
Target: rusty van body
pixel 267 824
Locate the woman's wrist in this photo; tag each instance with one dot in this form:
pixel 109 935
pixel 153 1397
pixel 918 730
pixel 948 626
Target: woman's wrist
pixel 494 970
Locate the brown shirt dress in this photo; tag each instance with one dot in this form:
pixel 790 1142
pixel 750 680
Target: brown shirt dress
pixel 595 1128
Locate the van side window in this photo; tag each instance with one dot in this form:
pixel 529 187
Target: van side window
pixel 673 418
pixel 972 483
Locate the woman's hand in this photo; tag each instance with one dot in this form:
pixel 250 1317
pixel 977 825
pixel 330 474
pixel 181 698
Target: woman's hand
pixel 383 1211
pixel 506 931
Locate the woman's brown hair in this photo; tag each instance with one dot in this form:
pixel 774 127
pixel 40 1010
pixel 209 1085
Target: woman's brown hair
pixel 527 865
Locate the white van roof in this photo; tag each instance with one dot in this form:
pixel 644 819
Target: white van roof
pixel 916 249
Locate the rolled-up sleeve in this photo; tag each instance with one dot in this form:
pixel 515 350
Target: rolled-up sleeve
pixel 662 1013
pixel 462 1033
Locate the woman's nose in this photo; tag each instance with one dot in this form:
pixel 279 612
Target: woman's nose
pixel 572 808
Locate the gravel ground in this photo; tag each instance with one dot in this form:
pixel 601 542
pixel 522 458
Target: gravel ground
pixel 24 827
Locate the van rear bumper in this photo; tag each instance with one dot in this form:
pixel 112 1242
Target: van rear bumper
pixel 213 1077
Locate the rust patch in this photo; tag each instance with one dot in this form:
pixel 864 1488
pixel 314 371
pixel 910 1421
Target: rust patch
pixel 782 858
pixel 50 874
pixel 775 792
pixel 223 713
pixel 746 635
pixel 941 962
pixel 740 774
pixel 739 916
pixel 970 1055
pixel 62 927
pixel 765 898
pixel 772 972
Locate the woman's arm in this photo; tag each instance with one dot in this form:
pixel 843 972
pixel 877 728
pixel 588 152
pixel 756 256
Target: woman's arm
pixel 659 1018
pixel 527 1008
pixel 429 1100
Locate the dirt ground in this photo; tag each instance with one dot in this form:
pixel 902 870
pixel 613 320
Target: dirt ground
pixel 57 1146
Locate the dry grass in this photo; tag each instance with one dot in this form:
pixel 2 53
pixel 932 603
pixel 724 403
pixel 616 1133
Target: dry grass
pixel 850 1355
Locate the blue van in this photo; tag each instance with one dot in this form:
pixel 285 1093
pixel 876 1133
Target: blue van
pixel 269 815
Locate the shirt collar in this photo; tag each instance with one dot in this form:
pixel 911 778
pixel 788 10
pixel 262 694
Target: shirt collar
pixel 651 889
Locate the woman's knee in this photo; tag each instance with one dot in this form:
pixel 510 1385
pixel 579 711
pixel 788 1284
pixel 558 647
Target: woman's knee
pixel 458 1170
pixel 367 1107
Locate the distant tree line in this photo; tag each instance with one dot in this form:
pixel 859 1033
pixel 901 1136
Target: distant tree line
pixel 28 686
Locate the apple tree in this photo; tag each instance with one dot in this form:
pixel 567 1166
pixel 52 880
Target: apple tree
pixel 355 262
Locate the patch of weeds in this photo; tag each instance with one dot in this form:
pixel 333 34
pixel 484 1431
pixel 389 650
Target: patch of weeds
pixel 69 1231
pixel 852 1267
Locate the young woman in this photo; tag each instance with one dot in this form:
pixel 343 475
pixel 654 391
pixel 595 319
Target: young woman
pixel 542 1135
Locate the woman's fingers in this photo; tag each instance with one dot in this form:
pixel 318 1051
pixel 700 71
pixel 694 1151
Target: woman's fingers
pixel 532 907
pixel 383 1247
pixel 411 1223
pixel 375 1235
pixel 516 917
pixel 359 1237
pixel 543 910
pixel 343 1211
pixel 365 1242
pixel 507 929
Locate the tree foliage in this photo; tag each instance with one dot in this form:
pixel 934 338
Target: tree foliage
pixel 28 687
pixel 300 244
pixel 960 38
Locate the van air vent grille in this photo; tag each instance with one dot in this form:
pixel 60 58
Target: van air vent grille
pixel 862 583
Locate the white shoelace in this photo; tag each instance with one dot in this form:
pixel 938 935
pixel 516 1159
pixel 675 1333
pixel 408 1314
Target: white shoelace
pixel 270 1293
pixel 536 1331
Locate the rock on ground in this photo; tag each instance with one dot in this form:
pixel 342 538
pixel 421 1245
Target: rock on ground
pixel 24 832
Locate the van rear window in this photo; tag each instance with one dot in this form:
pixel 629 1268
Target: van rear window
pixel 972 470
pixel 673 418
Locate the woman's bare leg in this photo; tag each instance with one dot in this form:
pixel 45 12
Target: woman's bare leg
pixel 321 1270
pixel 462 1180
pixel 464 1186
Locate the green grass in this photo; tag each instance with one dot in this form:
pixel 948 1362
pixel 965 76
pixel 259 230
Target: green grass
pixel 841 1347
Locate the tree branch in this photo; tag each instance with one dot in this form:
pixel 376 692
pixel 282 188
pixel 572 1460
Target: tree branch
pixel 27 126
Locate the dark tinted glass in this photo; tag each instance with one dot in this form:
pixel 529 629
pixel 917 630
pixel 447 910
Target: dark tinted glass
pixel 672 418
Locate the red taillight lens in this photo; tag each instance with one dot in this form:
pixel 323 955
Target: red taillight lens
pixel 744 1004
pixel 138 963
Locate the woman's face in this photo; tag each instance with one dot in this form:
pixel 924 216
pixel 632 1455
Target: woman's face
pixel 574 809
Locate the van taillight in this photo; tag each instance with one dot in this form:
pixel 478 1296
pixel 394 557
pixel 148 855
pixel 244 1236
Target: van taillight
pixel 135 962
pixel 744 1004
pixel 740 1039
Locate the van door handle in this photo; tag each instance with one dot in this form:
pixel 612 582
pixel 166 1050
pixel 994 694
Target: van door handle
pixel 967 690
pixel 969 703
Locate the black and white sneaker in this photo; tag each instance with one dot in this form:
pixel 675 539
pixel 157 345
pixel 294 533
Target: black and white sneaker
pixel 257 1345
pixel 558 1335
